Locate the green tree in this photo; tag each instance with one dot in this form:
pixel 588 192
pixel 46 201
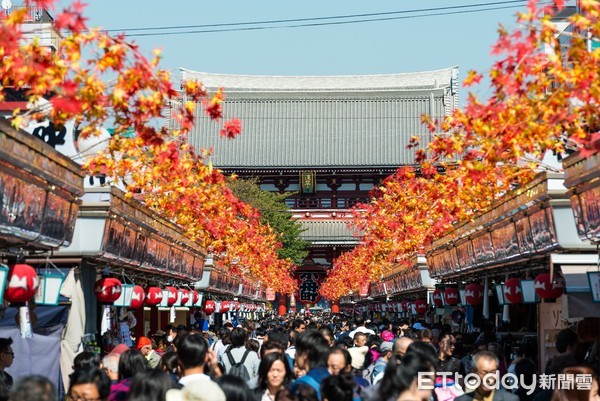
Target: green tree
pixel 276 213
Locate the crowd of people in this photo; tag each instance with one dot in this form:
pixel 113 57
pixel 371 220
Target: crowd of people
pixel 317 358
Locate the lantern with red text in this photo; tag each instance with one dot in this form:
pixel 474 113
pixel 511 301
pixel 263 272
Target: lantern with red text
pixel 23 282
pixel 421 306
pixel 451 296
pixel 270 294
pixel 173 295
pixel 546 289
pixel 474 294
pixel 195 297
pixel 438 300
pixel 137 298
pixel 154 296
pixel 209 307
pixel 512 291
pixel 225 306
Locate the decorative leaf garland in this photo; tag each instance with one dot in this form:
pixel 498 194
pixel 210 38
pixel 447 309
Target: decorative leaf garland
pixel 95 79
pixel 544 99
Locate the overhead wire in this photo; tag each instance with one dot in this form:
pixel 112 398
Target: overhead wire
pixel 320 21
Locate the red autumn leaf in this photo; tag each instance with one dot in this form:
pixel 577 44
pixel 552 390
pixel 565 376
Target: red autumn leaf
pixel 66 105
pixel 231 128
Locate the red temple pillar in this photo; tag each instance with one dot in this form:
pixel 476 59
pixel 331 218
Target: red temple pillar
pixel 282 304
pixel 335 307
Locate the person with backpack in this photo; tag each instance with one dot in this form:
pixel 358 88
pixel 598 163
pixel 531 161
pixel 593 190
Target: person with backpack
pixel 240 361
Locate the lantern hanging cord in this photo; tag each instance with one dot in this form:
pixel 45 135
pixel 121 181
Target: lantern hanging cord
pixel 49 262
pixel 125 277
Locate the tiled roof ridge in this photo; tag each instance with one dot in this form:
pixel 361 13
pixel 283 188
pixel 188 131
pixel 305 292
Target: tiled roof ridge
pixel 441 78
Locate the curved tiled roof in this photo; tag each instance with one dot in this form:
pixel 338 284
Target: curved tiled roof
pixel 328 230
pixel 323 122
pixel 343 83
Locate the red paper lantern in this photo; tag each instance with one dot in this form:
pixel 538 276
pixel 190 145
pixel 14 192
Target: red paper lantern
pixel 225 306
pixel 185 296
pixel 108 290
pixel 451 296
pixel 421 306
pixel 438 300
pixel 474 294
pixel 546 289
pixel 209 307
pixel 512 291
pixel 173 295
pixel 22 283
pixel 137 298
pixel 404 306
pixel 236 306
pixel 154 296
pixel 195 297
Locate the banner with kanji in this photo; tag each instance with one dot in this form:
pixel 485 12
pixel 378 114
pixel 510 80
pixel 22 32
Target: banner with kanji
pixel 308 287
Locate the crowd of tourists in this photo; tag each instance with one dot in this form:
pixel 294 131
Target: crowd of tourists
pixel 315 358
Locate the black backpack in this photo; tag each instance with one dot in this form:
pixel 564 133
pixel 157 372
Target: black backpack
pixel 238 368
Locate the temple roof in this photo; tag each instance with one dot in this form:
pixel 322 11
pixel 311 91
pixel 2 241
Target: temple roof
pixel 328 231
pixel 330 121
pixel 344 83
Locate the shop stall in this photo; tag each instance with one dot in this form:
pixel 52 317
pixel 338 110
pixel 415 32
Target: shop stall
pixel 40 192
pixel 505 251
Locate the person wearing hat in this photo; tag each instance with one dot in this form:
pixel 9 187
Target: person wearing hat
pixel 385 353
pixel 145 347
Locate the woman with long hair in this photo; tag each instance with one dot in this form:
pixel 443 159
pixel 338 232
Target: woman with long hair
pixel 400 379
pixel 577 393
pixel 131 362
pixel 168 364
pixel 150 385
pixel 274 373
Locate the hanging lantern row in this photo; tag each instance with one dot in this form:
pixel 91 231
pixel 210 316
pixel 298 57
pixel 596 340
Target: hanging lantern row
pixel 211 307
pixel 110 290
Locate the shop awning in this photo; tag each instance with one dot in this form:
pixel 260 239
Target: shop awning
pixel 39 192
pixel 122 233
pixel 582 177
pixel 527 224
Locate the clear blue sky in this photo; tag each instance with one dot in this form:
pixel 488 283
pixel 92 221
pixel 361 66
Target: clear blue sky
pixel 404 45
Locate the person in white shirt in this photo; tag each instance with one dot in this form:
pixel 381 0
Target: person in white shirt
pixel 360 327
pixel 192 358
